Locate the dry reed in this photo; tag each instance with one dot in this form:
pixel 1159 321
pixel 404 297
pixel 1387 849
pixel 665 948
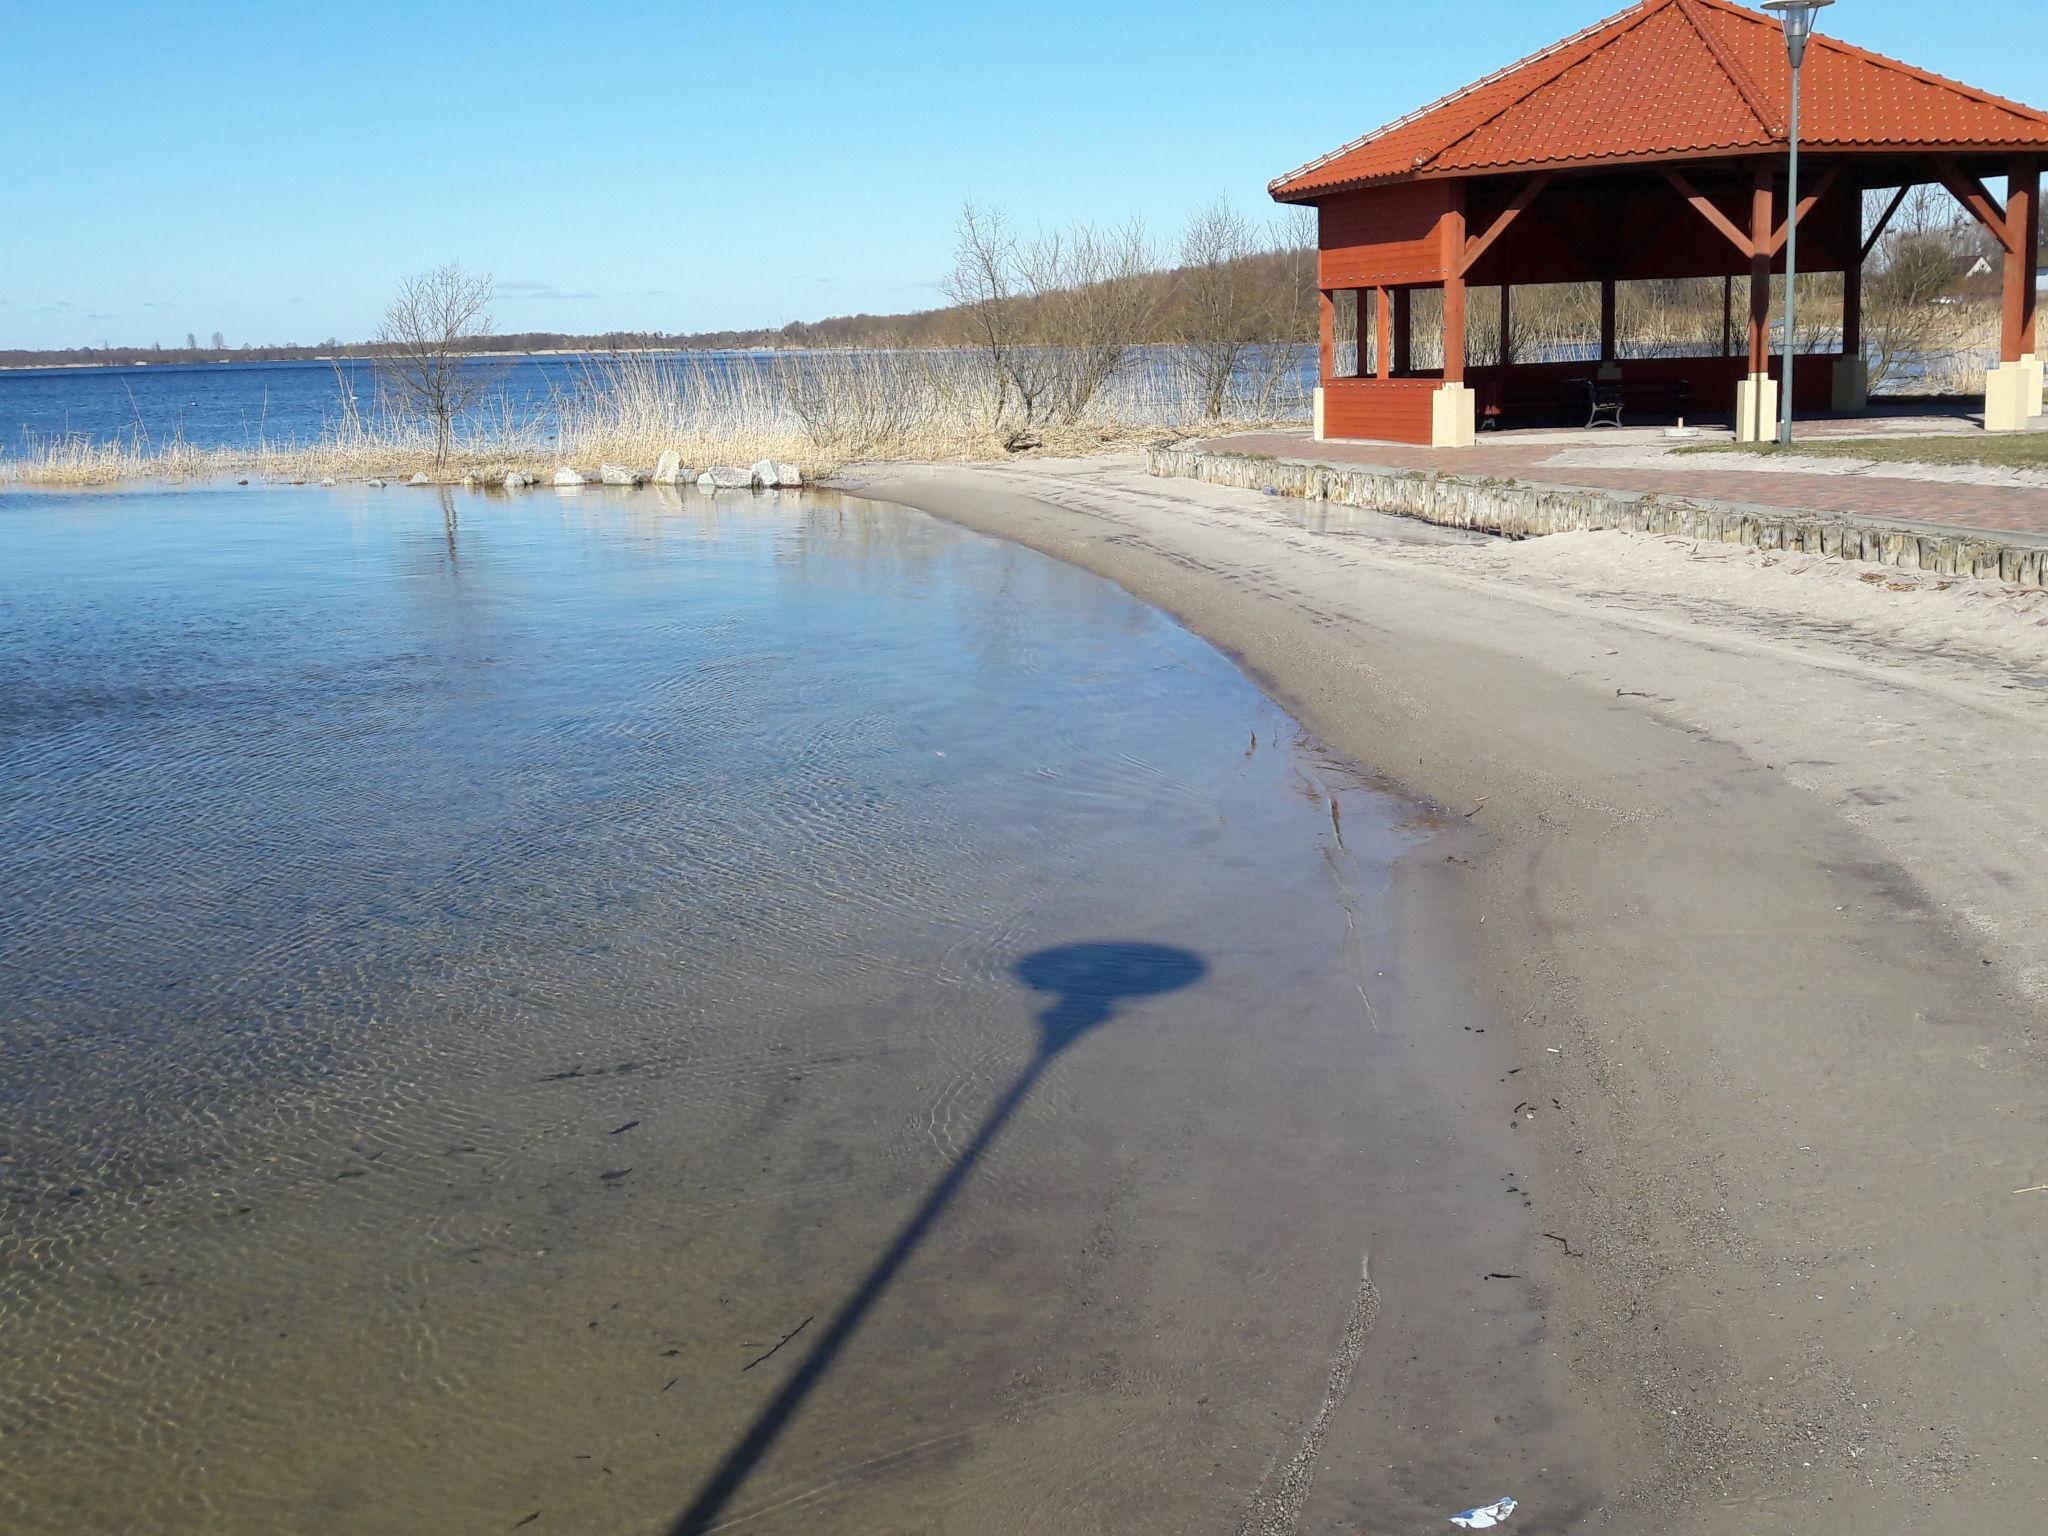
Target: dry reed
pixel 820 410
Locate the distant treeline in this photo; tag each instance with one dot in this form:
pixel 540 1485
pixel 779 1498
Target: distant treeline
pixel 1283 272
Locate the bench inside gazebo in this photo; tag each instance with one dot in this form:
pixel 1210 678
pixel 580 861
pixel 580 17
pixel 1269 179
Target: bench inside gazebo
pixel 1650 146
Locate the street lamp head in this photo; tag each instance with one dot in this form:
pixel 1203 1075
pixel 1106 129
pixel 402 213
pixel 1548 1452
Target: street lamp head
pixel 1797 15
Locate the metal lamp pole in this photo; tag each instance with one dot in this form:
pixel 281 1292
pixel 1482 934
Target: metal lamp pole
pixel 1797 16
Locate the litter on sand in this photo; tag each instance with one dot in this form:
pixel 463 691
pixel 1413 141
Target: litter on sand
pixel 1486 1516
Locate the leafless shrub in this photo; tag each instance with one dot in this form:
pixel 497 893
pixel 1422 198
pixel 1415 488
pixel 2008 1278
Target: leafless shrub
pixel 1221 312
pixel 1918 332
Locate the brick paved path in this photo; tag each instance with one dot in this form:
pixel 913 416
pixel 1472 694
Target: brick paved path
pixel 2012 509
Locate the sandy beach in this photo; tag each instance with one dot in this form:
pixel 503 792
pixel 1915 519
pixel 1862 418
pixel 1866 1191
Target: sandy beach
pixel 1742 852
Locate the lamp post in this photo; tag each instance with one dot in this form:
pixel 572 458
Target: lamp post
pixel 1797 15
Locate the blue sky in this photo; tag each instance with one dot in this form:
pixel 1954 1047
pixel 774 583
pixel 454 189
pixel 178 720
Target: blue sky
pixel 269 171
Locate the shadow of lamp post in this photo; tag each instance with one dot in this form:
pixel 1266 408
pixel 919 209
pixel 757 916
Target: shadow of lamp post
pixel 1087 983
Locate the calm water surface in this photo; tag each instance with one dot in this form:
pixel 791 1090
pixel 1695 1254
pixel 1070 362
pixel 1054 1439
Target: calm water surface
pixel 477 975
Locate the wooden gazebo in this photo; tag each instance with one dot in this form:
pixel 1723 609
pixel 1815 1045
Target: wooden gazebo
pixel 1652 145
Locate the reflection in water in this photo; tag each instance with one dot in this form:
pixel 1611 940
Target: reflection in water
pixel 1089 981
pixel 451 1029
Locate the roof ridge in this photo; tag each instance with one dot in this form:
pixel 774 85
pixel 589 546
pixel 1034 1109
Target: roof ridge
pixel 1737 75
pixel 1642 13
pixel 1463 91
pixel 1871 56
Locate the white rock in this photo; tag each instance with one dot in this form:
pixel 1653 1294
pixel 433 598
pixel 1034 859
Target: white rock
pixel 770 475
pixel 668 469
pixel 726 480
pixel 569 477
pixel 420 478
pixel 375 485
pixel 611 474
pixel 327 479
pixel 516 479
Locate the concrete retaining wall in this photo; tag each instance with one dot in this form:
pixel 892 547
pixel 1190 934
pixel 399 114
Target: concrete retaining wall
pixel 1519 511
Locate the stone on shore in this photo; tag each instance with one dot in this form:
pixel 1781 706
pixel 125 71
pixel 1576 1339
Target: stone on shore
pixel 668 469
pixel 770 475
pixel 612 474
pixel 567 476
pixel 516 480
pixel 373 483
pixel 327 479
pixel 419 478
pixel 726 480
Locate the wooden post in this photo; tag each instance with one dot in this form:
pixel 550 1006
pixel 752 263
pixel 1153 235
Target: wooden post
pixel 1383 338
pixel 1760 272
pixel 1728 317
pixel 1507 332
pixel 1606 319
pixel 1852 276
pixel 1404 310
pixel 1454 286
pixel 2023 222
pixel 1326 335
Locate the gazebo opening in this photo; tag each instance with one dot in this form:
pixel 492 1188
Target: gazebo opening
pixel 1640 159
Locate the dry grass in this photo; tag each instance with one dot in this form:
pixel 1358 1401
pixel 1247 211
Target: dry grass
pixel 821 411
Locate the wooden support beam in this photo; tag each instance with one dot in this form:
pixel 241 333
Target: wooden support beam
pixel 1454 286
pixel 1326 336
pixel 1883 223
pixel 1969 191
pixel 2022 210
pixel 1383 337
pixel 1709 212
pixel 1852 275
pixel 1805 207
pixel 1760 271
pixel 1507 328
pixel 1606 319
pixel 1477 247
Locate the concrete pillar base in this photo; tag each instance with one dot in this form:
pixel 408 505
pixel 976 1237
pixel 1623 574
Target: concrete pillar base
pixel 2007 400
pixel 1319 414
pixel 2031 361
pixel 1852 384
pixel 1453 417
pixel 1756 409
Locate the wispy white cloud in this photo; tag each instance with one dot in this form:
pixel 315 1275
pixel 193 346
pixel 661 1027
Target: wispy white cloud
pixel 535 288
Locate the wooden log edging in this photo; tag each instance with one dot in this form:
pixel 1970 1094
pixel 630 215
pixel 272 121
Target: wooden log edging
pixel 1517 510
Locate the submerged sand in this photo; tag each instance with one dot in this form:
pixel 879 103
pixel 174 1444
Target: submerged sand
pixel 1752 879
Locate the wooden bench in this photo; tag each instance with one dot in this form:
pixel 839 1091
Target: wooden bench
pixel 1604 400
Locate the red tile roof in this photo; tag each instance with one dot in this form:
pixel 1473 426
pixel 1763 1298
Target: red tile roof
pixel 1672 79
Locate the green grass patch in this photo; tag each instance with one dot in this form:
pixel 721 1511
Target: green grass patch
pixel 2019 450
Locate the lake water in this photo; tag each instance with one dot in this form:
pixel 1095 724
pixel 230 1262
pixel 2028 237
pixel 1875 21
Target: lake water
pixel 244 405
pixel 626 1011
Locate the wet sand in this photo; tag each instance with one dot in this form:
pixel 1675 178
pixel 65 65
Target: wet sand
pixel 644 1012
pixel 1751 881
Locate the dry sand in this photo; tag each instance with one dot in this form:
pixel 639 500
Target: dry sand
pixel 1754 880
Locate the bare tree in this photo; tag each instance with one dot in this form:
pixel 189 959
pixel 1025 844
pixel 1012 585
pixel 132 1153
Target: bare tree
pixel 1091 303
pixel 1914 323
pixel 1222 311
pixel 983 286
pixel 220 342
pixel 1291 326
pixel 427 330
